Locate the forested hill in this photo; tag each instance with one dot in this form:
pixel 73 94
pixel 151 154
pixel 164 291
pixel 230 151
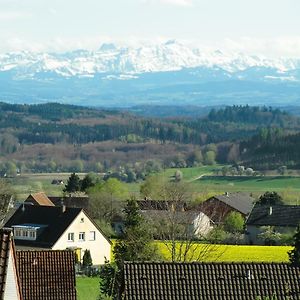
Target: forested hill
pixel 42 132
pixel 253 115
pixel 271 149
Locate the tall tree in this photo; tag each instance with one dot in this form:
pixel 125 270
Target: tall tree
pixel 107 199
pixel 73 184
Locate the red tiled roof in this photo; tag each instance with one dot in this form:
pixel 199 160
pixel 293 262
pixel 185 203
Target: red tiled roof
pixel 47 275
pixel 41 198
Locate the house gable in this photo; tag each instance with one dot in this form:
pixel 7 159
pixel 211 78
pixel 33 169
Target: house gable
pixel 83 234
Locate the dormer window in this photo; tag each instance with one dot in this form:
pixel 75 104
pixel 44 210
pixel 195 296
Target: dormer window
pixel 27 231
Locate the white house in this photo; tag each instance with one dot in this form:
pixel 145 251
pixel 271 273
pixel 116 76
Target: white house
pixel 59 228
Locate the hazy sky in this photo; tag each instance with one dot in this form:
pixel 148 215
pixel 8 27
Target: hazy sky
pixel 268 26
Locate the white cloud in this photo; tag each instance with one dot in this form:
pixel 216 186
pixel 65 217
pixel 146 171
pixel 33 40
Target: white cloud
pixel 271 47
pixel 13 15
pixel 172 2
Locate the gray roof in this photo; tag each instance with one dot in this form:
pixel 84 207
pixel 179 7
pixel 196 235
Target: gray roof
pixel 281 215
pixel 212 281
pixel 242 202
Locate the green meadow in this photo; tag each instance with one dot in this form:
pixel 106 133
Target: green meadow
pixel 87 288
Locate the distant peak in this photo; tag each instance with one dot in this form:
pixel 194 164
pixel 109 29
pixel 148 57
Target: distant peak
pixel 171 42
pixel 108 47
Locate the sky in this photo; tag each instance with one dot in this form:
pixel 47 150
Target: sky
pixel 270 27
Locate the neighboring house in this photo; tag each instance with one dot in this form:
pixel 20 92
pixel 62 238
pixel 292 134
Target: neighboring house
pixel 282 218
pixel 39 199
pixel 10 288
pixel 218 207
pixel 191 222
pixel 164 213
pixel 59 228
pixel 212 281
pixel 47 275
pixel 70 201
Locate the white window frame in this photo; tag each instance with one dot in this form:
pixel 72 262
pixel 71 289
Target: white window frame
pixel 71 237
pixel 92 235
pixel 81 236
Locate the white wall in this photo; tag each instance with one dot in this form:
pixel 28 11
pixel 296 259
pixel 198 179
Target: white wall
pixel 99 248
pixel 202 225
pixel 11 287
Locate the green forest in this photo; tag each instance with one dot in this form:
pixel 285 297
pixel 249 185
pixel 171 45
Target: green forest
pixel 55 137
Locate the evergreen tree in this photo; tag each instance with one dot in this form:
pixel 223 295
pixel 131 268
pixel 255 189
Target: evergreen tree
pixel 294 255
pixel 73 184
pixel 270 198
pixel 87 259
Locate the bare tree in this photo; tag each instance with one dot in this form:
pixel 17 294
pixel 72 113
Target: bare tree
pixel 183 231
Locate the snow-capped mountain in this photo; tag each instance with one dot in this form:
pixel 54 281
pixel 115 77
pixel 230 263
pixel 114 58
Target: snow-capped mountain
pixel 109 58
pixel 166 73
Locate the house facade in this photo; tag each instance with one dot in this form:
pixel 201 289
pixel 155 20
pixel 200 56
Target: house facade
pixel 83 234
pixel 59 228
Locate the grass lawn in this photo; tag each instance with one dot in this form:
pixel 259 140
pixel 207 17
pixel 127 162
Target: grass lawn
pixel 192 173
pixel 87 288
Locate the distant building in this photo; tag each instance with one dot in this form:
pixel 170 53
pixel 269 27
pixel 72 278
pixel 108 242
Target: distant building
pixel 70 201
pixel 59 228
pixel 282 218
pixel 218 207
pixel 211 281
pixel 39 199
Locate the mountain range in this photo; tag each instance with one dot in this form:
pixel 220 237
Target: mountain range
pixel 168 73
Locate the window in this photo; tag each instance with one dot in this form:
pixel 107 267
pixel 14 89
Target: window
pixel 71 236
pixel 25 233
pixel 92 235
pixel 32 234
pixel 82 220
pixel 81 236
pixel 18 233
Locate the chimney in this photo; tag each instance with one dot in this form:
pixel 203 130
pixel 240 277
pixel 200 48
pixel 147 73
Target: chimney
pixel 23 207
pixel 249 274
pixel 63 208
pixel 270 210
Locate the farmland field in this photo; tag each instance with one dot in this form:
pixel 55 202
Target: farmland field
pixel 202 181
pixel 230 183
pixel 235 253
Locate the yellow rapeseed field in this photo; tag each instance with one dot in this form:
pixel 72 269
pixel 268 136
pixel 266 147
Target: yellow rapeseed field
pixel 232 253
